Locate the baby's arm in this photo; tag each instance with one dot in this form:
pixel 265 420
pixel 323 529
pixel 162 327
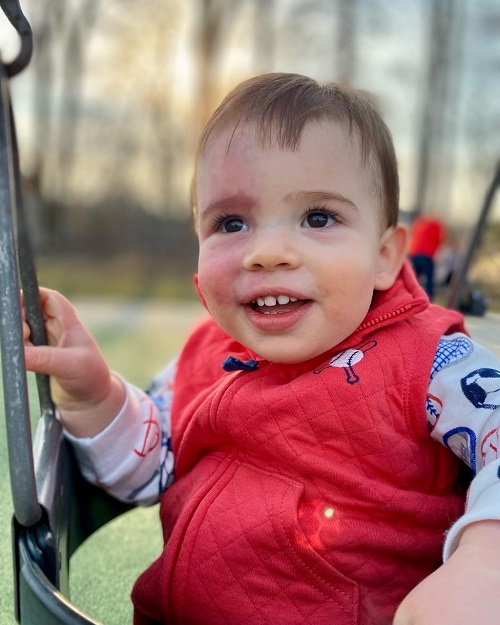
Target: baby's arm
pixel 132 458
pixel 121 435
pixel 464 589
pixel 87 395
pixel 463 410
pixel 464 413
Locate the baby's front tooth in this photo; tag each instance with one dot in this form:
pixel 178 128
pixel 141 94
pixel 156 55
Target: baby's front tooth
pixel 260 301
pixel 270 300
pixel 283 299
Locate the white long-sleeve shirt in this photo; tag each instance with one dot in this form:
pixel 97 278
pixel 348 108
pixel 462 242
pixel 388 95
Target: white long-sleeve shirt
pixel 133 459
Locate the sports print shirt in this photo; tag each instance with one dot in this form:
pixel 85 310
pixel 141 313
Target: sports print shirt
pixel 133 459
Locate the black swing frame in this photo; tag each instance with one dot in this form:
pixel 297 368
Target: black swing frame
pixel 55 509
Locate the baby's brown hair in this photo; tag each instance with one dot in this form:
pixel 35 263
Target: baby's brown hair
pixel 281 104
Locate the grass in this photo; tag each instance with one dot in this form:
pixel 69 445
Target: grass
pixel 125 277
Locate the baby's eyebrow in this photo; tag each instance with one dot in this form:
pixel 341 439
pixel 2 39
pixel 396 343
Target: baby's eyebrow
pixel 318 196
pixel 235 202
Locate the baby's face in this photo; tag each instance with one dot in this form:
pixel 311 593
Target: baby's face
pixel 289 241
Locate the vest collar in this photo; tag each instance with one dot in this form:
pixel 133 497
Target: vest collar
pixel 404 299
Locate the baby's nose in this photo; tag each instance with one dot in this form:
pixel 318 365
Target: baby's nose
pixel 269 251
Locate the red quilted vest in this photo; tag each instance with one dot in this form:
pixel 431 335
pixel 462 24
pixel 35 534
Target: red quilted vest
pixel 309 493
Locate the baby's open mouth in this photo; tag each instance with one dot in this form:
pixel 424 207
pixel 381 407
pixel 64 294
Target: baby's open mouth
pixel 276 304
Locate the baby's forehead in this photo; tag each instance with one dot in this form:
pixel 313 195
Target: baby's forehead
pixel 243 138
pixel 280 118
pixel 233 150
pixel 239 143
pixel 231 141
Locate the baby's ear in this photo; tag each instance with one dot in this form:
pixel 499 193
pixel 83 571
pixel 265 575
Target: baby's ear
pixel 392 254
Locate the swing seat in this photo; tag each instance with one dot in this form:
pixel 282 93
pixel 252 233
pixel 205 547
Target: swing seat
pixel 72 510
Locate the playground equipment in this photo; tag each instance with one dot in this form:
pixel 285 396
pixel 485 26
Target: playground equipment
pixel 55 510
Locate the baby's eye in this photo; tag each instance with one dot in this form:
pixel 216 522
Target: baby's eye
pixel 319 219
pixel 232 224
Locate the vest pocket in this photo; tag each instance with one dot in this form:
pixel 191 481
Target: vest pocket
pixel 245 559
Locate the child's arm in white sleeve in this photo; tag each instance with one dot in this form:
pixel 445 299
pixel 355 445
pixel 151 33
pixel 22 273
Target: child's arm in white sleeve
pixel 463 410
pixel 132 458
pixel 463 407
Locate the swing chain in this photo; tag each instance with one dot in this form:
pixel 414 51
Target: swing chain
pixel 16 17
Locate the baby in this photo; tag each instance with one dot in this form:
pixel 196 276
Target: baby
pixel 306 444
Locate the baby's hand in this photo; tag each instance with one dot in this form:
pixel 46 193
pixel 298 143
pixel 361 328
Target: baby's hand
pixel 464 589
pixel 86 394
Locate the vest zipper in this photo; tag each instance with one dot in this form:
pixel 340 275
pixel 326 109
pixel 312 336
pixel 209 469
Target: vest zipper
pixel 384 317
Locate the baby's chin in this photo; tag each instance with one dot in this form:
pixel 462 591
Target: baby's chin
pixel 295 357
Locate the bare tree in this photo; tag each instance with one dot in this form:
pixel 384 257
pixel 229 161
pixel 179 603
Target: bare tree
pixel 346 39
pixel 79 24
pixel 61 31
pixel 122 88
pixel 264 29
pixel 439 94
pixel 214 18
pixel 47 24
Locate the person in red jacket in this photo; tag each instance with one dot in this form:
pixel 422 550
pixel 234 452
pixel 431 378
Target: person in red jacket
pixel 306 443
pixel 426 236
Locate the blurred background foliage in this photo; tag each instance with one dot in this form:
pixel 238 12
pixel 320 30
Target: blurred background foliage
pixel 109 110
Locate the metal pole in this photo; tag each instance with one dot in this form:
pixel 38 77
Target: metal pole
pixel 460 277
pixel 19 441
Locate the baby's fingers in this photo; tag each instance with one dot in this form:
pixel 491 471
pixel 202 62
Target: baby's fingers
pixel 53 361
pixel 56 305
pixel 26 334
pixel 56 311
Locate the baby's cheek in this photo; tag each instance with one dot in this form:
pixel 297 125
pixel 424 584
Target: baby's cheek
pixel 215 296
pixel 216 278
pixel 216 301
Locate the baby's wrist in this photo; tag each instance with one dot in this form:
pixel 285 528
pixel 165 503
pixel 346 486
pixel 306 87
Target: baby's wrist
pixel 87 419
pixel 481 535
